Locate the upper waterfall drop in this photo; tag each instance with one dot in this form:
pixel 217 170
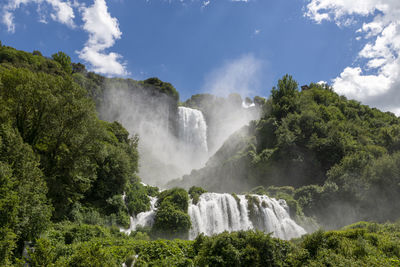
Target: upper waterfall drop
pixel 192 129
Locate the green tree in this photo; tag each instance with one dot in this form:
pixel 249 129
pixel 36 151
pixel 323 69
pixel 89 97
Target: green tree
pixel 8 213
pixel 55 117
pixel 195 192
pixel 34 211
pixel 170 222
pixel 64 60
pixel 172 219
pixel 284 97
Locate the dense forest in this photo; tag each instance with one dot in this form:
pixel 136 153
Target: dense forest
pixel 69 180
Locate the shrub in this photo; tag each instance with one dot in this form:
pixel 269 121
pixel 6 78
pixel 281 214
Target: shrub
pixel 170 222
pixel 195 193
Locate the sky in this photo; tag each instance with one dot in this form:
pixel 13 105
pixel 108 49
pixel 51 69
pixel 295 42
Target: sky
pixel 222 46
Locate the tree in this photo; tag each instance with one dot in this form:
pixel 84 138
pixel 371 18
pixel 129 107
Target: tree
pixel 64 60
pixel 23 204
pixel 54 116
pixel 8 213
pixel 283 97
pixel 37 53
pixel 78 68
pixel 172 220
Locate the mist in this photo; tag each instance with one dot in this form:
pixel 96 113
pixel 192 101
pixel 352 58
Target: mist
pixel 170 137
pixel 172 140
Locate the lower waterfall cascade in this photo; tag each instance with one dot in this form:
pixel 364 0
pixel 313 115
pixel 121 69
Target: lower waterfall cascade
pixel 215 213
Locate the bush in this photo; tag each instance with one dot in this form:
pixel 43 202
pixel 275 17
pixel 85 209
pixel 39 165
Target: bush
pixel 178 197
pixel 244 248
pixel 195 193
pixel 170 222
pixel 93 254
pixel 137 199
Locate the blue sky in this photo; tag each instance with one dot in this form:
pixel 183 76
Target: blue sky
pixel 222 46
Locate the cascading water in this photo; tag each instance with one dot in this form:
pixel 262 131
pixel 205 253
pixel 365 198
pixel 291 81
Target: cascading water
pixel 215 213
pixel 192 129
pixel 143 219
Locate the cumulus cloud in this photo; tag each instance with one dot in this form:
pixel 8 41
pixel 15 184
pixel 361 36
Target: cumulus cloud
pixel 240 75
pixel 61 11
pixel 377 81
pixel 103 31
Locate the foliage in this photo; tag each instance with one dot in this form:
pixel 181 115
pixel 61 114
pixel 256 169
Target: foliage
pixel 8 213
pixel 64 60
pixel 178 197
pixel 360 244
pixel 137 197
pixel 57 159
pixel 86 245
pixel 24 209
pixel 241 249
pixel 171 219
pixel 195 193
pixel 164 87
pixel 55 118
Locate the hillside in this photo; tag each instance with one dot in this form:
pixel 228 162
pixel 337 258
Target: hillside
pixel 332 155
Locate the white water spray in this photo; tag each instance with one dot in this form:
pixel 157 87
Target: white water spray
pixel 215 213
pixel 142 219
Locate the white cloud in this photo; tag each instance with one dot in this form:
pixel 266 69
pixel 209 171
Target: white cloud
pixel 377 81
pixel 205 3
pixel 8 20
pixel 61 11
pixel 241 76
pixel 103 31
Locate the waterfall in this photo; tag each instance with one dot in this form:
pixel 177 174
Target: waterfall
pixel 192 129
pixel 215 213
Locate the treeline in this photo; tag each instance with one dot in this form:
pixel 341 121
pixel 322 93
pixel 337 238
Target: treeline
pixel 336 159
